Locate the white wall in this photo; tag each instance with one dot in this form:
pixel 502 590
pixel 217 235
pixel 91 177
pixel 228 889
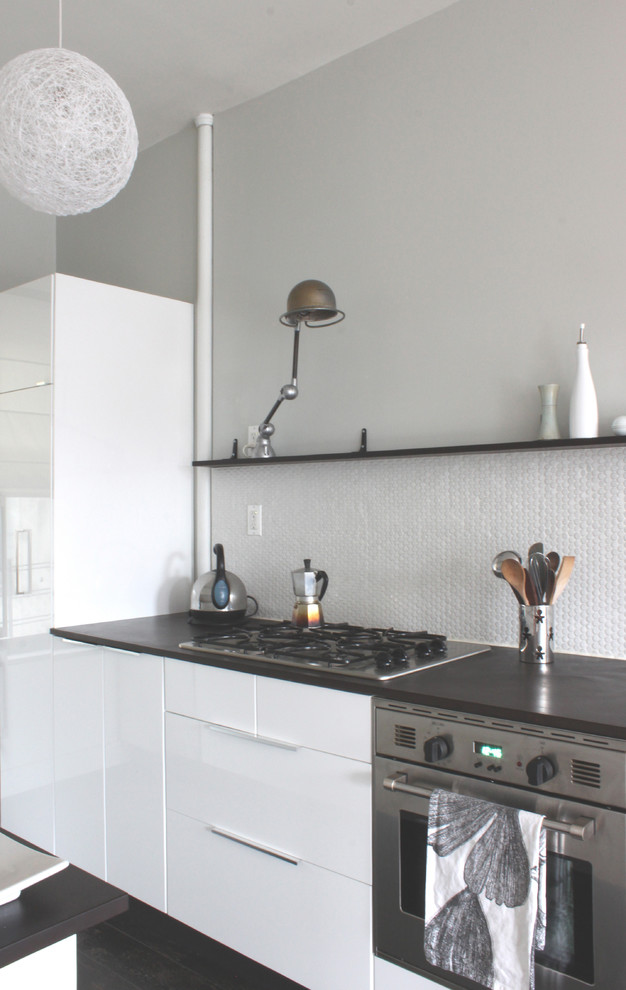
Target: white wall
pixel 144 238
pixel 460 185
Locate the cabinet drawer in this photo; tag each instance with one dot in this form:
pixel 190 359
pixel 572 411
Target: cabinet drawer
pixel 319 718
pixel 210 693
pixel 314 804
pixel 307 923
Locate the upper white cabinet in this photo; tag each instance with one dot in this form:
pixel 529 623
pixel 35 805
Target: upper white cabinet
pixel 96 435
pixel 123 434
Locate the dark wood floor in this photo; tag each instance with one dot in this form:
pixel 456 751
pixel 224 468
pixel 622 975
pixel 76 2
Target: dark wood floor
pixel 145 950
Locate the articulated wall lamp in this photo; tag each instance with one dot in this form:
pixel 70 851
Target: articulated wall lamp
pixel 312 304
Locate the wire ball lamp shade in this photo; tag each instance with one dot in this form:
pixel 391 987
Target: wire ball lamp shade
pixel 68 140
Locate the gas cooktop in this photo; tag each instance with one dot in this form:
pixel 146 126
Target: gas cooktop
pixel 334 648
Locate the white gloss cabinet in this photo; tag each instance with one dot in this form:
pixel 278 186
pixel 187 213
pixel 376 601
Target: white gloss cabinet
pixel 134 774
pixel 79 756
pixel 388 976
pixel 27 738
pixel 269 821
pixel 308 923
pixel 96 410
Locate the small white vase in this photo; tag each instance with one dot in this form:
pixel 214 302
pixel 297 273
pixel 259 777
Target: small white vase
pixel 583 409
pixel 548 426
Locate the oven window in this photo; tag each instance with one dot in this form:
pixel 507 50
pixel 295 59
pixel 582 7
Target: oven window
pixel 413 835
pixel 569 916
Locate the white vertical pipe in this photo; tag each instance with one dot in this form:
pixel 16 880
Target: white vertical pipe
pixel 203 360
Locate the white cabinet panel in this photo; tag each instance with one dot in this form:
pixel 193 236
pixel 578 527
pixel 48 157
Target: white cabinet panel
pixel 390 977
pixel 123 434
pixel 315 804
pixel 79 756
pixel 310 924
pixel 27 739
pixel 133 734
pixel 333 721
pixel 225 697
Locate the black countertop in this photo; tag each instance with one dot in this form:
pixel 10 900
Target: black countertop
pixel 53 909
pixel 579 693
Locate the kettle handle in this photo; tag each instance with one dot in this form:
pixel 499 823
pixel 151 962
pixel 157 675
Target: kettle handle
pixel 323 577
pixel 220 592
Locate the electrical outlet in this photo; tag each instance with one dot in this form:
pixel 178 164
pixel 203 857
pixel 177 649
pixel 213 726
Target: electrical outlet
pixel 253 434
pixel 255 520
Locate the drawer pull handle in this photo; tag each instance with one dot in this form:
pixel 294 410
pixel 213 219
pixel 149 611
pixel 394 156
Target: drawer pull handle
pixel 250 736
pixel 253 845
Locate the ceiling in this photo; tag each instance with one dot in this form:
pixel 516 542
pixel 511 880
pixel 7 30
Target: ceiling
pixel 177 58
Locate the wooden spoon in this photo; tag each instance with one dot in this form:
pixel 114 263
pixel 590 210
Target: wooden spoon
pixel 554 560
pixel 563 576
pixel 515 575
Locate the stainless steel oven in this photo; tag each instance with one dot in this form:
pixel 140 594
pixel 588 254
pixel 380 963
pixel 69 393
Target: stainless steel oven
pixel 576 780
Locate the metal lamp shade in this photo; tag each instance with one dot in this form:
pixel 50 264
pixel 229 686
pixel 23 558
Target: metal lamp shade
pixel 313 303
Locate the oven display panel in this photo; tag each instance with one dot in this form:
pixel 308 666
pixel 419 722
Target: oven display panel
pixel 489 750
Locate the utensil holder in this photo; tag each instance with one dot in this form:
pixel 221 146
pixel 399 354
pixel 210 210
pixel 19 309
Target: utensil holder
pixel 536 634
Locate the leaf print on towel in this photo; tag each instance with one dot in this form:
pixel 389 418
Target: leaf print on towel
pixel 454 819
pixel 458 939
pixel 498 864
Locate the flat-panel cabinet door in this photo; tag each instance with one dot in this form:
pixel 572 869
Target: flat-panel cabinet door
pixel 316 804
pixel 133 734
pixel 78 755
pixel 27 739
pixel 226 697
pixel 319 718
pixel 307 923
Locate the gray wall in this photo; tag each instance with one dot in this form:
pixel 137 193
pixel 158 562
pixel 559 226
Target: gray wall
pixel 145 238
pixel 460 185
pixel 27 243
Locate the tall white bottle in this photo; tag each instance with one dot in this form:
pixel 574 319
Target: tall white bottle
pixel 583 409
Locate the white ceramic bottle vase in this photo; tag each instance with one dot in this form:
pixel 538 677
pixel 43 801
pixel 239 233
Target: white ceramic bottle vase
pixel 583 409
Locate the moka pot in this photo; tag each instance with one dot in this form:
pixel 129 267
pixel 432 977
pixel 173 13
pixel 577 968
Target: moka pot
pixel 310 587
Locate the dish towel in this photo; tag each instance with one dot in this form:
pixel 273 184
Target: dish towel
pixel 485 890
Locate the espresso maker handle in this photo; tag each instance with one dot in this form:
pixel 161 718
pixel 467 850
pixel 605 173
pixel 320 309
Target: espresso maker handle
pixel 323 577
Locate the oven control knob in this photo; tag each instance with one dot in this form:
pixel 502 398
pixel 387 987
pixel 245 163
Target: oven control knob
pixel 436 749
pixel 540 770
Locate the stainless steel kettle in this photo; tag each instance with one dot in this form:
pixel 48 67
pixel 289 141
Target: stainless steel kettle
pixel 307 610
pixel 220 597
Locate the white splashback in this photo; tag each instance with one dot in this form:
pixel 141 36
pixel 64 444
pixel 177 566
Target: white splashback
pixel 408 542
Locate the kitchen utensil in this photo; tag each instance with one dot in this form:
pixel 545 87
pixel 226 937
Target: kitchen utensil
pixel 554 560
pixel 539 567
pixel 307 610
pixel 496 564
pixel 534 548
pixel 515 575
pixel 563 576
pixel 219 597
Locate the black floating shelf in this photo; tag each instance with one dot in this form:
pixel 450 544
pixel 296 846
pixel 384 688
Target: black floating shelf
pixel 369 455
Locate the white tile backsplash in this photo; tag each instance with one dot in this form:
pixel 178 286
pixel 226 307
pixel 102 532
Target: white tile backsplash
pixel 408 542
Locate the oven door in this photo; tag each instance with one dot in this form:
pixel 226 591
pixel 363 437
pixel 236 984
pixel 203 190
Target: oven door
pixel 586 901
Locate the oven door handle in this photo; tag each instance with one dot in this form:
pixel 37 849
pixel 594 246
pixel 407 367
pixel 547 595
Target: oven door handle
pixel 581 828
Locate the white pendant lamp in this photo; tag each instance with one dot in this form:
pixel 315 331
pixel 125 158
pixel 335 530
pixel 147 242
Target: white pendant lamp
pixel 68 140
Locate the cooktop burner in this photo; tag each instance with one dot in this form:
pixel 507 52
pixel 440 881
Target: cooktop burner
pixel 337 647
